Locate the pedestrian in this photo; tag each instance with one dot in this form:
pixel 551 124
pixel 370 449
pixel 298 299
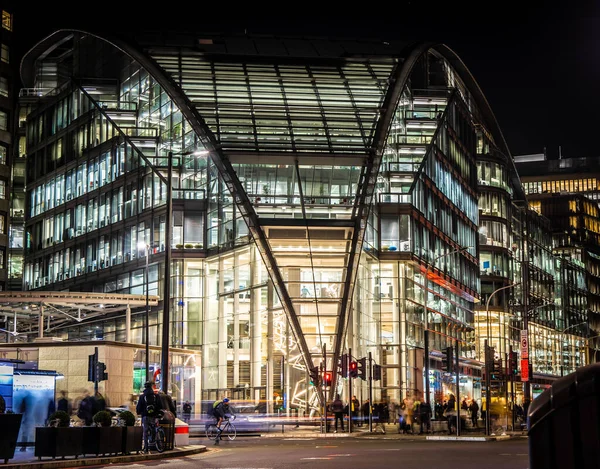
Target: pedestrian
pixel 464 405
pixel 167 403
pixel 402 427
pixel 148 407
pixel 473 409
pixel 187 411
pixel 378 411
pixel 365 410
pixel 410 413
pixel 87 409
pixel 424 417
pixel 64 404
pixel 337 407
pixel 100 402
pixel 355 408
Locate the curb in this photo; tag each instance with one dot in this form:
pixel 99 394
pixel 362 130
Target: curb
pixel 105 460
pixel 469 438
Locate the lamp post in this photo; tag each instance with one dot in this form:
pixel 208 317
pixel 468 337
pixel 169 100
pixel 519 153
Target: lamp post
pixel 142 245
pixel 426 331
pixel 485 354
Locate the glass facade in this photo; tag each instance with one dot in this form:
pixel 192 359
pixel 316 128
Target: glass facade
pixel 306 219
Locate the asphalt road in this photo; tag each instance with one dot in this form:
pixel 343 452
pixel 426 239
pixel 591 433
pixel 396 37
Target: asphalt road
pixel 350 453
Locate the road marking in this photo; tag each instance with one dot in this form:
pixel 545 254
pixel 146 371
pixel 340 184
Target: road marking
pixel 298 439
pixel 326 446
pixel 317 458
pixel 389 449
pixel 341 455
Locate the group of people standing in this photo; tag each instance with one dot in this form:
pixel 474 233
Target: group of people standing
pixel 359 413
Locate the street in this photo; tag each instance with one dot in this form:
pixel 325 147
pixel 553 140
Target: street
pixel 355 453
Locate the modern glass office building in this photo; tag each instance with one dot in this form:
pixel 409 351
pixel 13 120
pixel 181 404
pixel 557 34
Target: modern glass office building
pixel 294 198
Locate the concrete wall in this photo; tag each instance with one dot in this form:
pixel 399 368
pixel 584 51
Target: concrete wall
pixel 72 362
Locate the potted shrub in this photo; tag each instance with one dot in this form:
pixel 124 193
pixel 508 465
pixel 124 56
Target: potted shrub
pixel 188 246
pixel 10 424
pixel 58 438
pixel 179 246
pixel 102 438
pixel 132 434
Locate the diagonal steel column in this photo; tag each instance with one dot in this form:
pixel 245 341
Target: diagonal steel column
pixel 229 176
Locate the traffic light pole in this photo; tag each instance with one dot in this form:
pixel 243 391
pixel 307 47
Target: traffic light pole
pixel 457 388
pixel 349 393
pixel 95 370
pixel 370 393
pixel 512 385
pixel 487 387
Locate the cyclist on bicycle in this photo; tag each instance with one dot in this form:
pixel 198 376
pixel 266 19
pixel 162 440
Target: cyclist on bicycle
pixel 148 406
pixel 221 410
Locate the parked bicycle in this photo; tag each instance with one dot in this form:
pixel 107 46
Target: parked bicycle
pixel 156 433
pixel 227 429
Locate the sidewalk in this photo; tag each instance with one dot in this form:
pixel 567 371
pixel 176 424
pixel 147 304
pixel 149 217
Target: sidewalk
pixel 391 432
pixel 27 460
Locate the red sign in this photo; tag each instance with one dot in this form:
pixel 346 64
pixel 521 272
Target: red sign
pixel 525 370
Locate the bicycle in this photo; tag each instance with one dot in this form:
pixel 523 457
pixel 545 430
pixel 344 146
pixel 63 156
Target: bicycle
pixel 227 429
pixel 156 433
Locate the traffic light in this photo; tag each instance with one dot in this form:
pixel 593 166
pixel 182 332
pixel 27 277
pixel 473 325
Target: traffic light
pixel 376 372
pixel 344 365
pixel 314 376
pixel 101 374
pixel 353 369
pixel 513 363
pixel 92 367
pixel 362 368
pixel 327 378
pixel 448 360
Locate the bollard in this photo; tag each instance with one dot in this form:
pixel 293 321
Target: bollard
pixel 182 433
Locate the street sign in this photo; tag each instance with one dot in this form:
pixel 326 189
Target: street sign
pixel 524 345
pixel 525 370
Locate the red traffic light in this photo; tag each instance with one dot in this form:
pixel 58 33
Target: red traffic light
pixel 353 369
pixel 327 378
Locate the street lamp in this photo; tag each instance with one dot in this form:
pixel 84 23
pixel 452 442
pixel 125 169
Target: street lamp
pixel 142 245
pixel 426 331
pixel 485 359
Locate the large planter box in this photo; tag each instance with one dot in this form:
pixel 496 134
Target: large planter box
pixel 132 439
pixel 102 440
pixel 10 424
pixel 56 442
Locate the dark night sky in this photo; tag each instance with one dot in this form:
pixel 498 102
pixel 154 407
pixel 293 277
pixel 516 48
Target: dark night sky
pixel 538 67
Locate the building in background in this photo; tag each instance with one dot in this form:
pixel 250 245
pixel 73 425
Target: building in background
pixel 289 200
pixel 8 91
pixel 566 191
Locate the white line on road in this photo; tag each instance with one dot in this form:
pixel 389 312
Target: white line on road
pixel 316 458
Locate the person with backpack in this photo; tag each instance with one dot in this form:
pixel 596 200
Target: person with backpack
pixel 220 410
pixel 148 407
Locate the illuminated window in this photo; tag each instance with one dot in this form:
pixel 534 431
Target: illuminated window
pixel 5 54
pixel 3 120
pixel 2 189
pixel 6 20
pixel 3 87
